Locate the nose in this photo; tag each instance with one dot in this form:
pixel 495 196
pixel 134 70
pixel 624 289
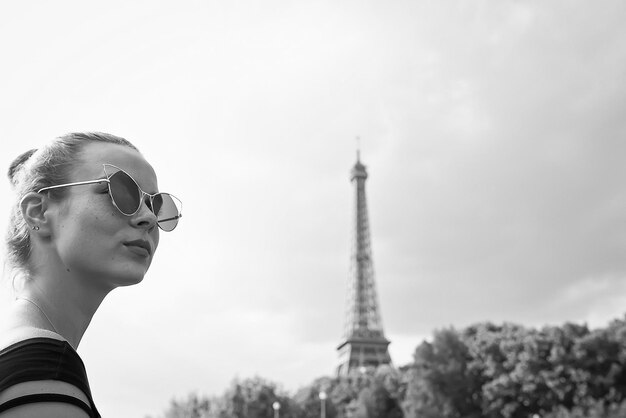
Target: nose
pixel 144 218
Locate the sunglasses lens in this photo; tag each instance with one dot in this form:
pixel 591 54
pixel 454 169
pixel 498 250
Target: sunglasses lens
pixel 127 196
pixel 167 210
pixel 125 193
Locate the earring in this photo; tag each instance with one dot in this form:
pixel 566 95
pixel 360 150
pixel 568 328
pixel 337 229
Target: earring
pixel 36 227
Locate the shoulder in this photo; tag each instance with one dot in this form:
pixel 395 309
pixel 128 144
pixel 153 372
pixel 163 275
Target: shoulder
pixel 15 335
pixel 37 395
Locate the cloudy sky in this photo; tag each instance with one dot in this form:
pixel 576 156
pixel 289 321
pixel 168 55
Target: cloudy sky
pixel 493 132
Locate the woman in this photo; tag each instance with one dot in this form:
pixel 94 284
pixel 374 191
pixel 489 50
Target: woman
pixel 86 220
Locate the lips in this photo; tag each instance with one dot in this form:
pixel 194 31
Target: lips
pixel 139 246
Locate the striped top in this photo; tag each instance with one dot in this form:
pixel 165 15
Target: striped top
pixel 44 358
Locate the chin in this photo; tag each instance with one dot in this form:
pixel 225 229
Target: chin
pixel 128 277
pixel 130 280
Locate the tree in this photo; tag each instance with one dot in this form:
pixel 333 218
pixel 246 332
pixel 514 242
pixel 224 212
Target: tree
pixel 379 402
pixel 308 402
pixel 440 382
pixel 596 409
pixel 511 371
pixel 600 355
pixel 562 375
pixel 193 407
pixel 253 398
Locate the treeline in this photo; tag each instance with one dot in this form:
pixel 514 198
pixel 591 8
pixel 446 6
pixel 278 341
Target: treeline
pixel 484 370
pixel 367 393
pixel 508 370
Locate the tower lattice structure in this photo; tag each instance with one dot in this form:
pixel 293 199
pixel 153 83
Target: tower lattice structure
pixel 364 343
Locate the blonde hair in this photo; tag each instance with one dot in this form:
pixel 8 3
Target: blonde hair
pixel 39 168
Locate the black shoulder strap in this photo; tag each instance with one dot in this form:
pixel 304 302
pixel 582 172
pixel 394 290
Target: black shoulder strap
pixel 45 397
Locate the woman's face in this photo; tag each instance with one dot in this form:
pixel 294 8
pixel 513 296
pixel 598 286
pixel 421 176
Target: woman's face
pixel 90 236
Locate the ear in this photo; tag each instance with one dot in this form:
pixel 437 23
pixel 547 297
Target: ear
pixel 34 207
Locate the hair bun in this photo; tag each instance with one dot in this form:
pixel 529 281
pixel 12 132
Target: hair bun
pixel 17 164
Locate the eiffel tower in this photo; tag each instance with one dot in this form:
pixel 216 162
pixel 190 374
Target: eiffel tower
pixel 364 343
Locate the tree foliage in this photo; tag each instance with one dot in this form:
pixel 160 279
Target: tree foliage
pixel 193 406
pixel 511 371
pixel 253 398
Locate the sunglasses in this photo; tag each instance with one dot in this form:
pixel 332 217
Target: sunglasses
pixel 127 197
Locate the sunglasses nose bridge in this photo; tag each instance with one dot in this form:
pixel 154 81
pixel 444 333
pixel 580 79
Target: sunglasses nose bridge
pixel 147 199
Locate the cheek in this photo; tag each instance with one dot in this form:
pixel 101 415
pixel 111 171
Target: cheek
pixel 155 237
pixel 105 212
pixel 97 220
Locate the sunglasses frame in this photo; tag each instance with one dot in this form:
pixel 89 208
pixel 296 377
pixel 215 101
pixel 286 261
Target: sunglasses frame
pixel 179 206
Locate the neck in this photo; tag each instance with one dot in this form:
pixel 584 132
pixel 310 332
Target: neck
pixel 62 306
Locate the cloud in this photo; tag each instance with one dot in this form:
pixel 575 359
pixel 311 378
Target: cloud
pixel 594 301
